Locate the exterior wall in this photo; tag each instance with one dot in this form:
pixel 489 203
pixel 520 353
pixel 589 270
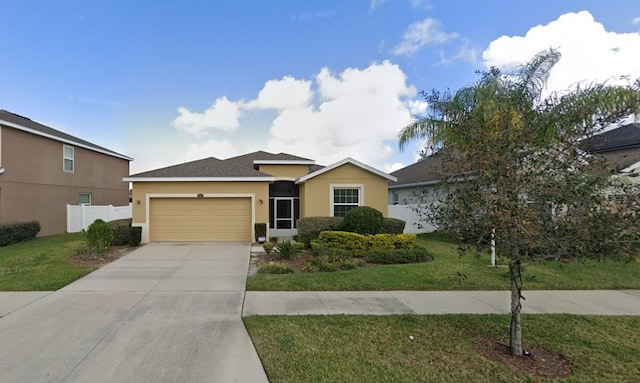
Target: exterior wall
pixel 315 196
pixel 142 191
pixel 35 187
pixel 285 171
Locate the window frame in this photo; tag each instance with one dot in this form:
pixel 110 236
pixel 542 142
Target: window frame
pixel 332 203
pixel 65 158
pixel 85 204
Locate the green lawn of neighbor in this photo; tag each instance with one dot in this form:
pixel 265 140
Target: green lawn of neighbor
pixel 451 271
pixel 377 349
pixel 41 264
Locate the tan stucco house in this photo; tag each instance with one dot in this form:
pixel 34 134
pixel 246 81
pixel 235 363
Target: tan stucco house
pixel 221 200
pixel 43 169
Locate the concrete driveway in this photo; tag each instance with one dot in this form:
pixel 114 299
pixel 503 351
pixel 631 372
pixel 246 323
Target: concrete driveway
pixel 164 313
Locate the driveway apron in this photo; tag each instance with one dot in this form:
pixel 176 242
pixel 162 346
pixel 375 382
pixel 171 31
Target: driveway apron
pixel 164 313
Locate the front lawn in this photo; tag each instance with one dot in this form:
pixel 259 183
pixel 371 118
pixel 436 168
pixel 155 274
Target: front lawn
pixel 42 264
pixel 378 349
pixel 450 271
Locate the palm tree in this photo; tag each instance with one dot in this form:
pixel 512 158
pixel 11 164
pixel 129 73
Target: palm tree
pixel 523 148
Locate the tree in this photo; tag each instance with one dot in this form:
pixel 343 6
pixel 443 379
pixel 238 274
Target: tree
pixel 514 163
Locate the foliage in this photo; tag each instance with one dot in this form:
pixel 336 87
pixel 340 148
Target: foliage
pixel 333 254
pixel 260 230
pixel 363 220
pixel 356 244
pixel 309 228
pixel 135 236
pixel 15 232
pixel 392 226
pixel 98 238
pixel 397 256
pixel 268 247
pixel 392 241
pixel 120 231
pixel 275 268
pixel 512 156
pixel 320 264
pixel 289 249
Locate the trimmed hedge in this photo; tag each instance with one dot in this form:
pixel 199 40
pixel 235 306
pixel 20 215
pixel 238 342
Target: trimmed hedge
pixel 309 228
pixel 135 236
pixel 363 220
pixel 99 237
pixel 397 256
pixel 120 231
pixel 392 226
pixel 358 244
pixel 14 232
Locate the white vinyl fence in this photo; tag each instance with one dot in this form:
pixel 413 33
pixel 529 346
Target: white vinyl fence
pixel 408 214
pixel 79 217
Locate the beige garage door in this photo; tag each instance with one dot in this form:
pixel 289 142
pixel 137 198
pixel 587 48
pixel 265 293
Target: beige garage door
pixel 200 219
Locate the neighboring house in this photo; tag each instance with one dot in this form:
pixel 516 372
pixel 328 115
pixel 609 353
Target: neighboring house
pixel 42 170
pixel 415 180
pixel 621 148
pixel 221 200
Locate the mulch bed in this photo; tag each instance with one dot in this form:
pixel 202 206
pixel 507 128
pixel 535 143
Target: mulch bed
pixel 539 362
pixel 115 253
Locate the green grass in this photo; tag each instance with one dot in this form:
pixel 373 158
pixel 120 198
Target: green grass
pixel 451 271
pixel 41 264
pixel 377 349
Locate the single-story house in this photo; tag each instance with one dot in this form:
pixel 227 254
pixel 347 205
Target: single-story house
pixel 42 170
pixel 621 148
pixel 221 200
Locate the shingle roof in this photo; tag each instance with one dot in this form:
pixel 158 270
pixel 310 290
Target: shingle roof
pixel 208 167
pixel 627 136
pixel 429 169
pixel 44 130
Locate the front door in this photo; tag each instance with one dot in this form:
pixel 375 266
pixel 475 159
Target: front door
pixel 283 213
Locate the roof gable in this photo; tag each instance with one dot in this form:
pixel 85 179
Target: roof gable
pixel 626 136
pixel 343 162
pixel 25 124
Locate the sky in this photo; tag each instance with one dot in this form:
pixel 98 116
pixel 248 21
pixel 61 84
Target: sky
pixel 166 82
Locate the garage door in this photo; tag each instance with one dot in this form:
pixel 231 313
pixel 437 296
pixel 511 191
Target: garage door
pixel 200 219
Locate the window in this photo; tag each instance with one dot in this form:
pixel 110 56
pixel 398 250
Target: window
pixel 344 199
pixel 396 198
pixel 67 162
pixel 84 199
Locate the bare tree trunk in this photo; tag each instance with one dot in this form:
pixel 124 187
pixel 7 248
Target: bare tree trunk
pixel 515 331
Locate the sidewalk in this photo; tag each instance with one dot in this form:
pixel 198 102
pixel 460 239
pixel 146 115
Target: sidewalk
pixel 579 302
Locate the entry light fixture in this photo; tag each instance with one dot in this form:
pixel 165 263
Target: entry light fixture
pixel 200 195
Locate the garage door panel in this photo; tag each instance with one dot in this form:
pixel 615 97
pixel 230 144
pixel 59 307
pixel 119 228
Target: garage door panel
pixel 200 219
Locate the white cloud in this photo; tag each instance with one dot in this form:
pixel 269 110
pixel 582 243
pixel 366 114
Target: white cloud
pixel 221 115
pixel 465 52
pixel 390 168
pixel 417 107
pixel 420 34
pixel 359 110
pixel 373 4
pixel 211 148
pixel 635 21
pixel 282 94
pixel 424 4
pixel 589 52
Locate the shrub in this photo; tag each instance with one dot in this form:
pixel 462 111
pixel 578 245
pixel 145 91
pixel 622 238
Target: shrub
pixel 392 226
pixel 309 228
pixel 355 243
pixel 397 256
pixel 333 254
pixel 268 247
pixel 392 241
pixel 120 231
pixel 14 232
pixel 99 237
pixel 320 264
pixel 275 268
pixel 135 236
pixel 363 220
pixel 260 230
pixel 289 249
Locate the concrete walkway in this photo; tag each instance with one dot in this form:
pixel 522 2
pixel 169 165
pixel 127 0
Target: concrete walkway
pixel 581 302
pixel 164 313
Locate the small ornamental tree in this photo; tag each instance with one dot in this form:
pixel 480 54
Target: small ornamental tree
pixel 515 165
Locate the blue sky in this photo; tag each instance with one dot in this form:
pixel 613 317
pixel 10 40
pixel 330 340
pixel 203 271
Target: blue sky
pixel 166 82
